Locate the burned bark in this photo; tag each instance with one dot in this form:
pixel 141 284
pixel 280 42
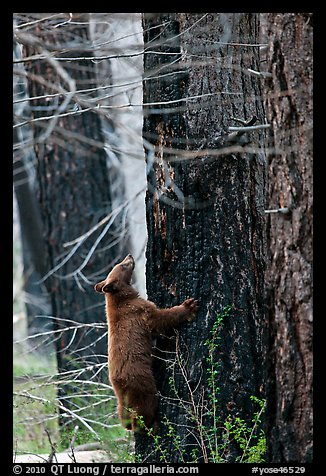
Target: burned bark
pixel 205 215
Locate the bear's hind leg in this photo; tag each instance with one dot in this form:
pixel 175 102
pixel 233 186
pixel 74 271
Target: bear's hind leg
pixel 145 414
pixel 124 407
pixel 125 415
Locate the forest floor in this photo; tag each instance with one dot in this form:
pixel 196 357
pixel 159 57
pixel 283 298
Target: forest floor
pixel 95 456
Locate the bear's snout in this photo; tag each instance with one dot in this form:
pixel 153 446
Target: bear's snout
pixel 129 261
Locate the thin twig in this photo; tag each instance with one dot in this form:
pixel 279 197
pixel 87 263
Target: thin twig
pixel 72 456
pixel 53 448
pixel 62 407
pixel 262 74
pixel 249 128
pixel 64 329
pixel 252 432
pixel 284 210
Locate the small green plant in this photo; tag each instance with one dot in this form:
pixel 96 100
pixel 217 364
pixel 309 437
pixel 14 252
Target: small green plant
pixel 213 367
pixel 172 433
pixel 250 438
pixel 157 440
pixel 214 435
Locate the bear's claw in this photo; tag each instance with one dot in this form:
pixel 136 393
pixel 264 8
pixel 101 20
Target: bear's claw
pixel 192 306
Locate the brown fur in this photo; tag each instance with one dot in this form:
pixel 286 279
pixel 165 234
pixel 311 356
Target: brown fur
pixel 132 321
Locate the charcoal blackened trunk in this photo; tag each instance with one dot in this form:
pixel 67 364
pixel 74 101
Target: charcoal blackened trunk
pixel 205 216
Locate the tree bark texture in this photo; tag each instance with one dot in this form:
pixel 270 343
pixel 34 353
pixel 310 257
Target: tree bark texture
pixel 205 216
pixel 289 271
pixel 74 195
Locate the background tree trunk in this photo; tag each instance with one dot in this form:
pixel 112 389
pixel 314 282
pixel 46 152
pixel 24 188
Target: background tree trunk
pixel 74 195
pixel 36 298
pixel 289 272
pixel 33 249
pixel 205 215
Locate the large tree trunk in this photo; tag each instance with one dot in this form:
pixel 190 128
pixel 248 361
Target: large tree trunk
pixel 205 215
pixel 74 195
pixel 289 272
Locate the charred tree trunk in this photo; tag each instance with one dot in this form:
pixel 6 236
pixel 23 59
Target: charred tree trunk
pixel 74 195
pixel 205 215
pixel 289 272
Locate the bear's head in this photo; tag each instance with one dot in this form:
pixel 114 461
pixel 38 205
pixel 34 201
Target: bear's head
pixel 118 278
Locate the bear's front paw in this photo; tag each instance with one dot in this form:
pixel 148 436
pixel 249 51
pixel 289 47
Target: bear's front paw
pixel 192 307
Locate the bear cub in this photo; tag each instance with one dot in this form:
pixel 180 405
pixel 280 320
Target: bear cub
pixel 132 322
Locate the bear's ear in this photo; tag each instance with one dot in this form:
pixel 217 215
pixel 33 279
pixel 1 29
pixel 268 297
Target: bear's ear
pixel 99 287
pixel 110 287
